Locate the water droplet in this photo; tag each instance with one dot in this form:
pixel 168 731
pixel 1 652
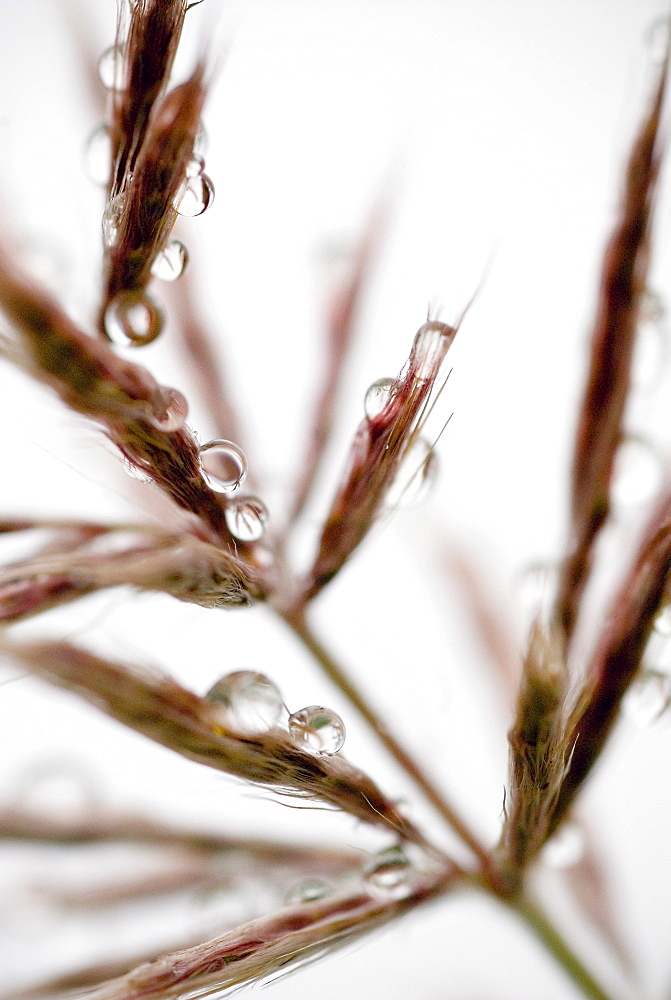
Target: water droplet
pixel 246 518
pixel 195 196
pixel 536 585
pixel 657 40
pixel 223 465
pixel 428 349
pixel 415 477
pixel 662 622
pixel 201 141
pixel 136 471
pixel 378 396
pixel 637 474
pixel 246 702
pixel 132 319
pixel 171 412
pixel 57 786
pixel 111 221
pixel 566 848
pixel 308 891
pixel 195 166
pixel 318 728
pixel 171 262
pixel 388 873
pixel 98 155
pixel 648 698
pixel 111 68
pixel 651 349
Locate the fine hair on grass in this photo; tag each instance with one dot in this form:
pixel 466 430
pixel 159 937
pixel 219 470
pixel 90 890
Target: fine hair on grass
pixel 274 533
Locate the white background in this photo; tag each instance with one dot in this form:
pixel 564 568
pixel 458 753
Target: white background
pixel 500 130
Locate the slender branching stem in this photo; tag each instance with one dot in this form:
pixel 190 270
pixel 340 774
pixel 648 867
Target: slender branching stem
pixel 547 933
pixel 297 621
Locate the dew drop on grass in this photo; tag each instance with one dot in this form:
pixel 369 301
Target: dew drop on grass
pixel 170 264
pixel 428 350
pixel 223 465
pixel 648 698
pixel 415 477
pixel 98 155
pixel 308 891
pixel 245 702
pixel 194 196
pixel 246 518
pixel 662 622
pixel 111 68
pixel 318 728
pixel 388 873
pixel 132 319
pixel 136 471
pixel 171 412
pixel 111 221
pixel 651 349
pixel 566 847
pixel 638 472
pixel 378 395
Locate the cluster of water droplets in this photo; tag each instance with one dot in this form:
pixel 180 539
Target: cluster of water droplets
pixel 132 319
pixel 318 729
pixel 246 702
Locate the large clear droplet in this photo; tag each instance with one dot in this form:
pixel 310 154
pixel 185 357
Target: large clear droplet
pixel 308 891
pixel 195 196
pixel 318 728
pixel 246 702
pixel 171 410
pixel 389 873
pixel 378 396
pixel 246 518
pixel 638 472
pixel 98 155
pixel 111 68
pixel 171 262
pixel 223 465
pixel 648 698
pixel 132 319
pixel 657 40
pixel 111 221
pixel 416 475
pixel 428 349
pixel 566 848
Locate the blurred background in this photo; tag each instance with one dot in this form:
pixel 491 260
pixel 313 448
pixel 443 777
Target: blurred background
pixel 496 135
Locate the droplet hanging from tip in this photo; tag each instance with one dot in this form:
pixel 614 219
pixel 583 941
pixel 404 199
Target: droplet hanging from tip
pixel 132 319
pixel 318 728
pixel 246 702
pixel 246 518
pixel 428 349
pixel 223 465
